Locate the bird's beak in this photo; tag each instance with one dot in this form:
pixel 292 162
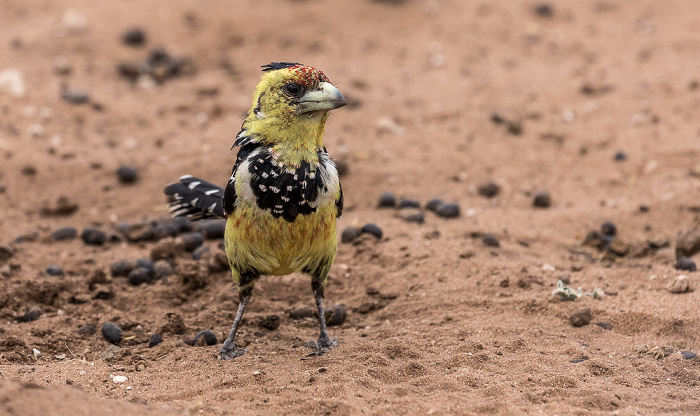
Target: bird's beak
pixel 325 98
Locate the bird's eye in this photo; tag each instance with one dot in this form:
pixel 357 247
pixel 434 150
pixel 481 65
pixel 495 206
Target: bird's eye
pixel 294 89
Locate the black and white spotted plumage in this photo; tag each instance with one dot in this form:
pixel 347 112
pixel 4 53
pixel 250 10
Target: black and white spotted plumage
pixel 195 198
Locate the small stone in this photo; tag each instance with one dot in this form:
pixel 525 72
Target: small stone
pixel 684 263
pixel 270 322
pixel 75 97
pixel 30 316
pixel 412 215
pixel 93 236
pixel 688 243
pixel 349 234
pixel 127 174
pixel 372 229
pixel 207 336
pixel 490 240
pixel 620 156
pixel 192 240
pixel 489 190
pixel 155 340
pixel 336 315
pixel 688 355
pixel 110 352
pixel 213 229
pixel 62 66
pixel 301 313
pixel 147 264
pixel 144 231
pixel 139 276
pixel 120 379
pixel 448 211
pixel 112 332
pixel 63 207
pixel 12 82
pixel 580 317
pixel 434 204
pixel 605 325
pixel 386 200
pixel 544 10
pixel 162 269
pixel 121 268
pixel 134 37
pixel 542 200
pixel 199 252
pixel 64 233
pixel 6 253
pixel 87 329
pixel 408 203
pixel 166 229
pixel 681 284
pixel 608 228
pixel 54 270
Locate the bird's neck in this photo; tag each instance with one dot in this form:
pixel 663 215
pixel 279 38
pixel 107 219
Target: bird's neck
pixel 293 141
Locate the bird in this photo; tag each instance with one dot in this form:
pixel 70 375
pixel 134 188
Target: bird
pixel 283 197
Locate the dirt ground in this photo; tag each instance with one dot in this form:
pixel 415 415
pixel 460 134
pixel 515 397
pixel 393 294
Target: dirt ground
pixel 597 103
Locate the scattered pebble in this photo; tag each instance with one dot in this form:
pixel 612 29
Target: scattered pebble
pixel 620 156
pixel 121 268
pixel 93 236
pixel 144 231
pixel 372 229
pixel 544 10
pixel 30 316
pixel 412 215
pixel 681 284
pixel 139 276
pixel 578 360
pixel 134 37
pixel 408 203
pixel 110 352
pixel 112 332
pixel 684 263
pixel 608 228
pixel 490 240
pixel 605 325
pixel 64 233
pixel 386 200
pixel 542 199
pixel 54 270
pixel 127 174
pixel 580 317
pixel 489 190
pixel 448 210
pixel 120 379
pixel 12 82
pixel 270 322
pixel 336 315
pixel 62 66
pixel 199 252
pixel 75 97
pixel 63 207
pixel 192 240
pixel 434 204
pixel 688 355
pixel 301 313
pixel 213 229
pixel 688 243
pixel 207 336
pixel 162 269
pixel 156 339
pixel 87 329
pixel 349 234
pixel 6 253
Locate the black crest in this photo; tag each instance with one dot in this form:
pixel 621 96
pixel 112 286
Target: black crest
pixel 274 66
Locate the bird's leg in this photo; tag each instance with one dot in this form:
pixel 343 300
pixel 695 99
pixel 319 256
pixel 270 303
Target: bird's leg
pixel 324 343
pixel 228 351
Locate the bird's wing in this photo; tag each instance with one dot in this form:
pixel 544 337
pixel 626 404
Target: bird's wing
pixel 195 198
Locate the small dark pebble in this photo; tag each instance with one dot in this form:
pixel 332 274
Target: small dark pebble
pixel 103 295
pixel 270 322
pixel 75 97
pixel 544 10
pixel 349 234
pixel 489 189
pixel 336 315
pixel 134 37
pixel 155 340
pixel 146 264
pixel 87 329
pixel 448 211
pixel 688 355
pixel 684 263
pixel 620 156
pixel 127 174
pixel 644 208
pixel 144 231
pixel 207 335
pixel 24 238
pixel 192 240
pixel 166 229
pixel 417 217
pixel 183 224
pixel 490 240
pixel 434 204
pixel 93 236
pixel 199 252
pixel 6 253
pixel 301 313
pixel 54 270
pixel 605 325
pixel 163 269
pixel 64 233
pixel 372 229
pixel 408 203
pixel 542 200
pixel 139 275
pixel 112 332
pixel 608 228
pixel 30 316
pixel 386 200
pixel 121 268
pixel 213 229
pixel 578 360
pixel 580 317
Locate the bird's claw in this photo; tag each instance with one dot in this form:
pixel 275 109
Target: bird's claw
pixel 322 346
pixel 229 351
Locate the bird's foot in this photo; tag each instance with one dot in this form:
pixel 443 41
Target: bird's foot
pixel 228 351
pixel 322 346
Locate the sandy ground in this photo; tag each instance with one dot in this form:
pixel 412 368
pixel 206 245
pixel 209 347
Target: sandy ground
pixel 444 96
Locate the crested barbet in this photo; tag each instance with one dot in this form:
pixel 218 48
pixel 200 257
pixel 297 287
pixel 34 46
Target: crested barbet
pixel 283 197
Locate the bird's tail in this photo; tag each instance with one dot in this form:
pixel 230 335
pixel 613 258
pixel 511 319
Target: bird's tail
pixel 195 198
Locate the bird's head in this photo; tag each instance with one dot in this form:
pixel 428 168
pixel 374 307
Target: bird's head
pixel 291 105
